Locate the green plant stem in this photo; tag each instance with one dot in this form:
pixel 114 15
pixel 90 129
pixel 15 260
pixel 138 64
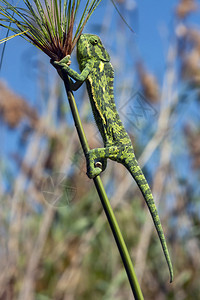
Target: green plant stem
pixel 104 199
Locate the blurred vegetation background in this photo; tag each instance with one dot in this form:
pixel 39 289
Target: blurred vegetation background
pixel 55 242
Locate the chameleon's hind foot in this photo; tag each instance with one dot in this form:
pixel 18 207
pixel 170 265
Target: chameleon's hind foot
pixel 94 169
pixel 94 166
pixel 92 173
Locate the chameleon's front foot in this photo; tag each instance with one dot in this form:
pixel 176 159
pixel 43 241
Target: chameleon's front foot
pixel 93 168
pixel 62 63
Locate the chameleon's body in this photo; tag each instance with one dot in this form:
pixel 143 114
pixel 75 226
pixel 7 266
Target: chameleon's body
pixel 97 71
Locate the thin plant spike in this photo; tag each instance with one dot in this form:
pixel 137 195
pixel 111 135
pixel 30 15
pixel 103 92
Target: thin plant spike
pixel 81 20
pixel 12 36
pixel 57 20
pixel 50 24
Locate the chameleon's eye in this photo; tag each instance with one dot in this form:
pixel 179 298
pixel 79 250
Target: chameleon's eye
pixel 94 42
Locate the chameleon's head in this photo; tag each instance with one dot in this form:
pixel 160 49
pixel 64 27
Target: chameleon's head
pixel 90 46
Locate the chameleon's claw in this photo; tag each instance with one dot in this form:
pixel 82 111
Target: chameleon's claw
pixel 98 164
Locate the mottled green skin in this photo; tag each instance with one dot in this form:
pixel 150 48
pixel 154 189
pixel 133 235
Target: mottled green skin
pixel 97 71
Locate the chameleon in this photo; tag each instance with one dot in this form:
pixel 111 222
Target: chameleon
pixel 97 72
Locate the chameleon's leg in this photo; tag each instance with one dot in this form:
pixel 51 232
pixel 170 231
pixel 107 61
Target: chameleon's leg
pixel 63 64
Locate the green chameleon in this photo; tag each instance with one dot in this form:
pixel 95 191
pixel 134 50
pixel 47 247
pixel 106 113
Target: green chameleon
pixel 97 71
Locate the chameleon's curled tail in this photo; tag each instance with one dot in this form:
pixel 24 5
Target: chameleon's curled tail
pixel 132 165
